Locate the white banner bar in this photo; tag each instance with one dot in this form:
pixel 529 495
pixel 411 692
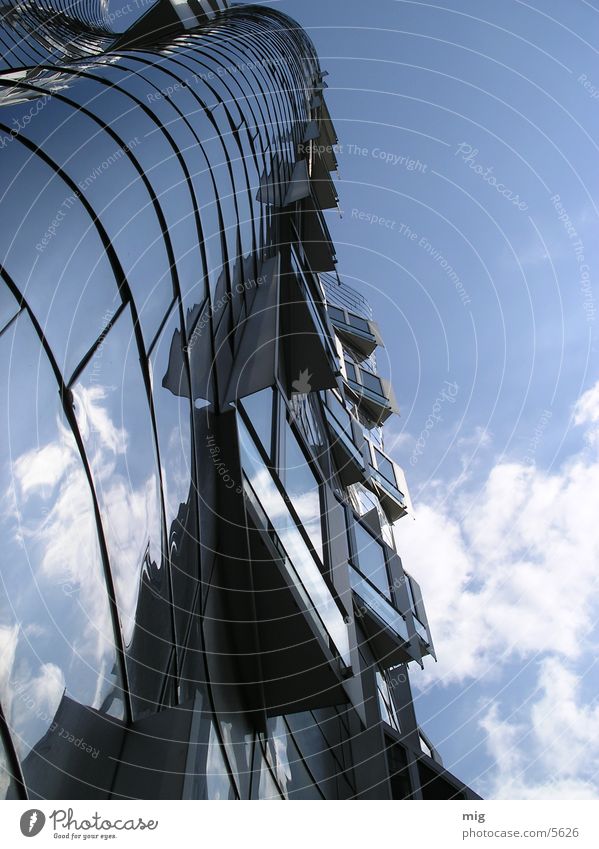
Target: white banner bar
pixel 293 826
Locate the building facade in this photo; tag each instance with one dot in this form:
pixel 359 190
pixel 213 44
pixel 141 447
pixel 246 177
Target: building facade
pixel 201 595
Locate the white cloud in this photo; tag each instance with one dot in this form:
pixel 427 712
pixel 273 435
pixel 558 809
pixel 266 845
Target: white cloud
pixel 8 646
pixel 479 438
pixel 586 411
pixel 554 754
pixel 398 442
pixel 56 537
pixel 47 688
pixel 510 575
pixel 39 471
pixel 512 572
pixel 93 417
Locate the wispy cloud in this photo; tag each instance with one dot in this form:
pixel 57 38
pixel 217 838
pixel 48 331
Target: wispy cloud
pixel 511 576
pixel 554 752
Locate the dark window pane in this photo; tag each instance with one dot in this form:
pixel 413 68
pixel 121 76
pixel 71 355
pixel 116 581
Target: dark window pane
pixel 372 382
pixel 340 412
pixel 302 488
pixel 371 559
pixel 359 323
pixel 385 467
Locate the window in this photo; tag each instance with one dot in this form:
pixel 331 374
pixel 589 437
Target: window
pixel 372 382
pixel 62 267
pixel 113 413
pixel 302 488
pixel 350 371
pixel 206 773
pixel 263 784
pixel 258 408
pixel 359 323
pixel 386 705
pixel 54 612
pixel 306 572
pixel 410 594
pixel 336 314
pixel 5 774
pixel 370 559
pixel 385 467
pixel 288 764
pixel 340 412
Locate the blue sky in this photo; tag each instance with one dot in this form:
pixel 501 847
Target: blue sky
pixel 497 292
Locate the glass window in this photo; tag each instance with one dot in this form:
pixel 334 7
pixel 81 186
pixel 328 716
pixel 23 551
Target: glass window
pixel 263 784
pixel 315 750
pixel 362 499
pixel 237 156
pixel 208 77
pixel 410 592
pixel 206 774
pixel 218 782
pixel 301 487
pixel 386 527
pixel 424 746
pixel 173 183
pixel 244 76
pixel 155 145
pixel 56 632
pixel 370 559
pixel 350 370
pixel 377 604
pixel 105 175
pixel 371 381
pixel 236 736
pixel 5 772
pixel 259 410
pixel 359 323
pixel 336 314
pixel 253 175
pixel 340 412
pixel 112 409
pixel 54 254
pixel 385 467
pixel 306 415
pixel 170 396
pixel 309 578
pixel 287 763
